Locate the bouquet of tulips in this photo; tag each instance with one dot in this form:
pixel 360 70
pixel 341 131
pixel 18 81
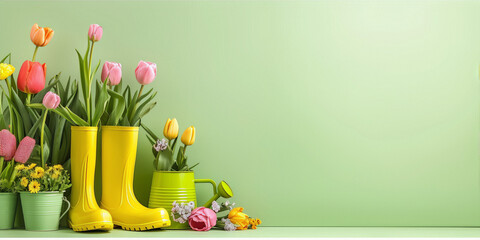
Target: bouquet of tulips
pixel 111 105
pixel 163 149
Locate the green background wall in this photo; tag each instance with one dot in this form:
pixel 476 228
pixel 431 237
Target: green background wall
pixel 325 113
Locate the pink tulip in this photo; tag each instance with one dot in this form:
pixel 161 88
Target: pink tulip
pixel 24 150
pixel 146 72
pixel 202 219
pixel 51 100
pixel 95 32
pixel 113 71
pixel 8 144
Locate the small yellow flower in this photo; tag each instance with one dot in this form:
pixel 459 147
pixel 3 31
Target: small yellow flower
pixel 258 221
pixel 34 187
pixel 55 174
pixel 24 182
pixel 49 169
pixel 19 167
pixel 38 173
pixel 58 167
pixel 31 166
pixel 6 70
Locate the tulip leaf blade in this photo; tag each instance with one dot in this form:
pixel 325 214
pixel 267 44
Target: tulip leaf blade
pixel 118 109
pixel 102 101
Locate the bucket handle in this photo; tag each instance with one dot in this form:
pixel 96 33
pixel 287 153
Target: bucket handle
pixel 68 207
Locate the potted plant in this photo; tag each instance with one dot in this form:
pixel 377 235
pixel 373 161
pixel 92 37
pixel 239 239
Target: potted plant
pixel 173 180
pixel 41 193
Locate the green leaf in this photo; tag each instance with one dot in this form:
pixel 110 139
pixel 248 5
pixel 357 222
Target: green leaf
pixel 25 117
pixel 149 132
pixel 102 102
pixel 142 112
pixel 36 125
pixel 117 112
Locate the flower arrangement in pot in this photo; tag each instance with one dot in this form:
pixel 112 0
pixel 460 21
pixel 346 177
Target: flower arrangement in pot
pixel 173 180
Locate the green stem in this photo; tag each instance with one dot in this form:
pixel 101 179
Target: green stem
pixel 89 85
pixel 41 137
pixel 34 54
pixel 2 160
pixel 29 96
pixel 140 93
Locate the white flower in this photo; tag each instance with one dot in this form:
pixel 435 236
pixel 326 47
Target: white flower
pixel 215 206
pixel 229 226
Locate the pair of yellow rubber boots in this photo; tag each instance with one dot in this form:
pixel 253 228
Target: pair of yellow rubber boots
pixel 119 205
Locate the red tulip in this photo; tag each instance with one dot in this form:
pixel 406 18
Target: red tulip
pixel 24 150
pixel 8 144
pixel 31 78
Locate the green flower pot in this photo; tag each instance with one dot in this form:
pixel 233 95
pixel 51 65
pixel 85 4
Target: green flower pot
pixel 41 211
pixel 8 207
pixel 168 187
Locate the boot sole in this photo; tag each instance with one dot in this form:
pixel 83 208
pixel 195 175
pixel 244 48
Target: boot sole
pixel 105 226
pixel 142 227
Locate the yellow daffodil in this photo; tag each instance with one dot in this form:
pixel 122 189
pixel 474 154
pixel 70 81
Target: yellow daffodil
pixel 34 187
pixel 31 166
pixel 239 218
pixel 188 137
pixel 6 70
pixel 38 173
pixel 170 131
pixel 24 182
pixel 58 167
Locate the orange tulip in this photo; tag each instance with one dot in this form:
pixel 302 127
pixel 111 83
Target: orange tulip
pixel 41 36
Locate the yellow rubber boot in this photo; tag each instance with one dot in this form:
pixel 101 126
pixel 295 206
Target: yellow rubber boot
pixel 85 215
pixel 119 149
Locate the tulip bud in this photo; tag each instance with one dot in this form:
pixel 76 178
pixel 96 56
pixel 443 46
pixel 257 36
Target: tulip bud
pixel 51 100
pixel 95 32
pixel 145 72
pixel 31 78
pixel 188 137
pixel 113 71
pixel 170 131
pixel 25 148
pixel 8 144
pixel 6 70
pixel 41 36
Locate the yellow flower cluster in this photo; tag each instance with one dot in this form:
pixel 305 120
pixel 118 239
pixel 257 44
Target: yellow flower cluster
pixel 34 178
pixel 254 222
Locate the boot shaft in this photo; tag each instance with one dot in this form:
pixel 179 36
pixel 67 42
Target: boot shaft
pixel 119 150
pixel 83 159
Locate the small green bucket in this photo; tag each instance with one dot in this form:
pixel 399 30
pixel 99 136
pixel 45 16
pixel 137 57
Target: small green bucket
pixel 8 207
pixel 41 210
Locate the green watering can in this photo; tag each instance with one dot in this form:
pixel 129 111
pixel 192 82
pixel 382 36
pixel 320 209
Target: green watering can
pixel 169 186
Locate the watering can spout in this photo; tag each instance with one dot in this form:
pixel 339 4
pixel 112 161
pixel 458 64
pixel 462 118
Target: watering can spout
pixel 223 191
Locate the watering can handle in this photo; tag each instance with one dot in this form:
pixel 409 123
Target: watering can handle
pixel 68 208
pixel 215 194
pixel 208 181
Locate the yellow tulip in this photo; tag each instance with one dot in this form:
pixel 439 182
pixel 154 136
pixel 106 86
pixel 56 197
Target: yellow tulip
pixel 188 137
pixel 239 218
pixel 170 131
pixel 6 70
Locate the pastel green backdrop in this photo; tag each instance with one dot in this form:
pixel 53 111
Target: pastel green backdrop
pixel 317 113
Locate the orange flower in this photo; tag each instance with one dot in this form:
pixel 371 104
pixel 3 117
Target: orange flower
pixel 41 36
pixel 239 218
